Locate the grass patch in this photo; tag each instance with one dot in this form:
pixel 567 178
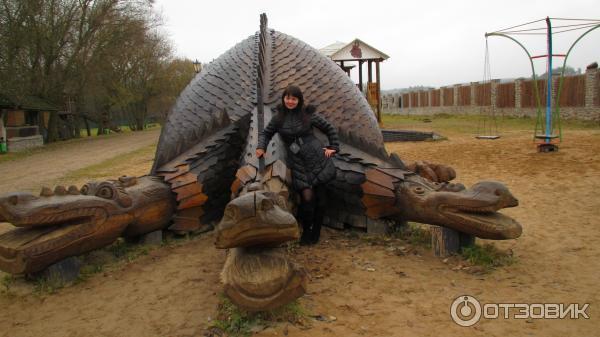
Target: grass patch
pixel 468 124
pixel 487 256
pixel 237 322
pixel 123 128
pixel 44 285
pixel 118 252
pixel 412 234
pixel 123 250
pixel 6 281
pixel 415 234
pixel 112 166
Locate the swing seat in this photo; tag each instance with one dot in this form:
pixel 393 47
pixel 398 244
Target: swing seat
pixel 544 136
pixel 487 137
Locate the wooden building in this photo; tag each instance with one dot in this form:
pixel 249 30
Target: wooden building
pixel 22 125
pixel 358 52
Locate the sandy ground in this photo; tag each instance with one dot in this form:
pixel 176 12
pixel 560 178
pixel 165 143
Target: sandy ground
pixel 370 290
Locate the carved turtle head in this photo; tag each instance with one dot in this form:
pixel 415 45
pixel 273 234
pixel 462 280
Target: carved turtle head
pixel 257 217
pixel 473 210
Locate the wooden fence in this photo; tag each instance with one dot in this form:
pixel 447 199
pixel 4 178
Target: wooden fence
pixel 448 97
pixel 572 92
pixel 505 95
pixel 414 99
pixel 483 94
pixel 464 95
pixel 528 98
pixel 435 97
pixel 424 99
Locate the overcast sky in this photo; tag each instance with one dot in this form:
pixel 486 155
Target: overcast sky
pixel 431 43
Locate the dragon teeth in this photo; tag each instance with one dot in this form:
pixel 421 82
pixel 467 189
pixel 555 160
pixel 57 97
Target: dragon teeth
pixel 60 190
pixel 46 192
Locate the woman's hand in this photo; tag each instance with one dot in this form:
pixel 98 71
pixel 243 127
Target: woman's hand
pixel 260 153
pixel 329 152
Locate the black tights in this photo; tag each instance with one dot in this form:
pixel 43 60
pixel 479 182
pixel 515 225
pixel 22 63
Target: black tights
pixel 311 213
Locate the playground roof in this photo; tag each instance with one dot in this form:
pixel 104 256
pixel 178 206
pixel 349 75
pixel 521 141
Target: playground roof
pixel 353 51
pixel 29 103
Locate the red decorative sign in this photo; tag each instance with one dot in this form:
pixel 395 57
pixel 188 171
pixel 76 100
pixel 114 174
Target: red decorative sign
pixel 355 51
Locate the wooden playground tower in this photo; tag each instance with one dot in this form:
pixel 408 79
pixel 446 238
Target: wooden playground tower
pixel 344 54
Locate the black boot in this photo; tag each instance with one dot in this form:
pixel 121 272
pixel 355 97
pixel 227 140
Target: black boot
pixel 316 228
pixel 305 239
pixel 306 215
pixel 319 212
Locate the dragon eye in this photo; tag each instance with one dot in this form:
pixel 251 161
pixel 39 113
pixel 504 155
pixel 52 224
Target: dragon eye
pixel 230 212
pixel 266 204
pixel 105 192
pixel 85 189
pixel 419 190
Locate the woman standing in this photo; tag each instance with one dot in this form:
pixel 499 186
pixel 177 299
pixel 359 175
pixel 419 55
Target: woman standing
pixel 308 159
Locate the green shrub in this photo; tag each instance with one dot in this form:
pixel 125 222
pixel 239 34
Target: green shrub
pixel 487 256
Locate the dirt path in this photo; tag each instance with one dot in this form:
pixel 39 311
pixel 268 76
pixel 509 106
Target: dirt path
pixel 371 290
pixel 43 168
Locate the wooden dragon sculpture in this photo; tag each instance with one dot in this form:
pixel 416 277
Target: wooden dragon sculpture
pixel 205 170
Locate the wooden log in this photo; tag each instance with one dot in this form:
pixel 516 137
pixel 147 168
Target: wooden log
pixel 446 241
pixel 258 279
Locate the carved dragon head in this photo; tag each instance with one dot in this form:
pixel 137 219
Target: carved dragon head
pixel 473 210
pixel 65 220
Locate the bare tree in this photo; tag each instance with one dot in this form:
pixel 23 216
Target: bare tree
pixel 106 55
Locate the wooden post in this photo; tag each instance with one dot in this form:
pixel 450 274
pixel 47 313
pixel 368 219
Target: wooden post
pixel 2 129
pixel 378 92
pixel 346 70
pixel 446 241
pixel 370 70
pixel 360 75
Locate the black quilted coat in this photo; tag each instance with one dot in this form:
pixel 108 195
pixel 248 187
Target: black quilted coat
pixel 309 166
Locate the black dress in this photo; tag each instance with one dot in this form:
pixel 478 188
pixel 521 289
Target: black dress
pixel 309 165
